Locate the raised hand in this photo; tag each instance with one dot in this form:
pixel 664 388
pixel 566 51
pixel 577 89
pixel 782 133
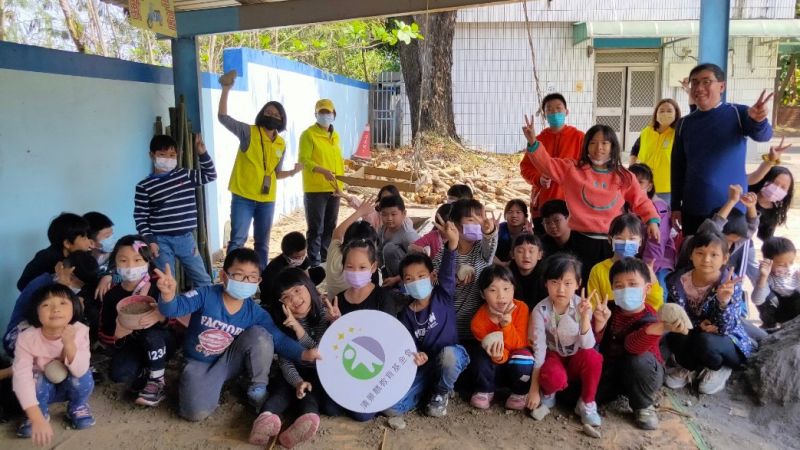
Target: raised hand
pixel 749 200
pixel 735 193
pixel 166 283
pixel 292 323
pixel 301 389
pixel 759 111
pixel 775 153
pixel 601 313
pixel 449 230
pixel 333 312
pixel 420 358
pixel 505 317
pixel 367 206
pixel 529 130
pixel 199 145
pixel 585 305
pixel 765 268
pixel 726 288
pixel 488 221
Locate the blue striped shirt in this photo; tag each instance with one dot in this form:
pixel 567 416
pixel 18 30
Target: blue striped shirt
pixel 166 203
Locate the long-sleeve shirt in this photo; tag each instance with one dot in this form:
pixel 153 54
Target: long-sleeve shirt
pixel 562 144
pixel 626 333
pixel 400 240
pixel 166 203
pixel 782 285
pixel 320 148
pixel 738 251
pixel 515 334
pixel 435 327
pixel 432 240
pixel 20 308
pixel 599 281
pixel 594 197
pixel 44 261
pixel 542 331
pixel 311 339
pixel 709 155
pixel 661 254
pixel 212 328
pixel 34 351
pixel 467 297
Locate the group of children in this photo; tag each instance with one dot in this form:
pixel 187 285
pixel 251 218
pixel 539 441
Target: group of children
pixel 591 299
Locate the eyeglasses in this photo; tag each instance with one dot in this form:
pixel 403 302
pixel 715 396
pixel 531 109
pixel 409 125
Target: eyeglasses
pixel 551 222
pixel 702 83
pixel 243 277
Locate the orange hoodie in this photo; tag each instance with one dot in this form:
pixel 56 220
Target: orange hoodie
pixel 515 335
pixel 564 144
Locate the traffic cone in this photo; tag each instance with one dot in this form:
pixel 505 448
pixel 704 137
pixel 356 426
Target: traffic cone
pixel 363 152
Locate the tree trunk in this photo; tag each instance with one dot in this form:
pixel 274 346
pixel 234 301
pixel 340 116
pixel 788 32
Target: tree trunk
pixel 72 26
pixel 427 72
pixel 2 20
pixel 95 19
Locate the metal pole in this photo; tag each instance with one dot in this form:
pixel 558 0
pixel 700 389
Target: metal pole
pixel 714 21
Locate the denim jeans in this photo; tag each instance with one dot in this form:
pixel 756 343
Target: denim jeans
pixel 243 212
pixel 322 212
pixel 75 390
pixel 439 374
pixel 183 247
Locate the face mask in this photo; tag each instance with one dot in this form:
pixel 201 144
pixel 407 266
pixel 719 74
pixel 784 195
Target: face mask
pixel 419 289
pixel 107 244
pixel 268 122
pixel 324 120
pixel 567 330
pixel 599 162
pixel 240 290
pixel 357 278
pixel 626 249
pixel 629 299
pixel 665 119
pixel 132 273
pixel 472 232
pixel 295 262
pixel 75 290
pixel 556 120
pixel 165 164
pixel 773 192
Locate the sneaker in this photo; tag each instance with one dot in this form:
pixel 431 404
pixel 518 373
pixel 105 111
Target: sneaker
pixel 25 429
pixel 549 400
pixel 678 377
pixel 588 413
pixel 302 430
pixel 481 400
pixel 256 395
pixel 437 407
pixel 152 393
pixel 516 402
pixel 81 417
pixel 646 418
pixel 265 426
pixel 713 381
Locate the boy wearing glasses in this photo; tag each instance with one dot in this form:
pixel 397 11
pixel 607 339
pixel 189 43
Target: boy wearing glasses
pixel 228 335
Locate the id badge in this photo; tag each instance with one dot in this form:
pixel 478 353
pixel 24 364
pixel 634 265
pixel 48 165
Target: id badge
pixel 265 185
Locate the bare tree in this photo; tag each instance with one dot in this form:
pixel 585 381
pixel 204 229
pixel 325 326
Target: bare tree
pixel 2 20
pixel 72 26
pixel 98 30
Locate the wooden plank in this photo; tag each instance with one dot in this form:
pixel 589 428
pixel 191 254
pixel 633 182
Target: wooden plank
pixel 377 184
pixel 388 173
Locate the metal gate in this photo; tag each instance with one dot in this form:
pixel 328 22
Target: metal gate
pixel 626 92
pixel 386 110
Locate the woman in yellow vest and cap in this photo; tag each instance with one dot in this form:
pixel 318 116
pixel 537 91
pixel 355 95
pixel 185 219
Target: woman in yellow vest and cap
pixel 255 171
pixel 654 146
pixel 321 157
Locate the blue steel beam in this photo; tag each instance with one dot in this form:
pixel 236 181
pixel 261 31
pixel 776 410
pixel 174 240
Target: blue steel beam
pixel 185 70
pixel 714 22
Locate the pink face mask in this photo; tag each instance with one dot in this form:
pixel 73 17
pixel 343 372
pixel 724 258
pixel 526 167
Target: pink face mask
pixel 773 192
pixel 357 279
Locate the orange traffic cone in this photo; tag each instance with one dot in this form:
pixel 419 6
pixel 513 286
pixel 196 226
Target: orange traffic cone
pixel 363 152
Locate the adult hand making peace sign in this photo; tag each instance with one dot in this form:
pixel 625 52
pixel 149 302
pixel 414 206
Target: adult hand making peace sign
pixel 759 111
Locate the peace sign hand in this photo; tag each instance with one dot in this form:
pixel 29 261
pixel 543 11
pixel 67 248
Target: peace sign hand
pixel 333 308
pixel 367 206
pixel 601 314
pixel 488 221
pixel 759 111
pixel 449 230
pixel 776 152
pixel 166 283
pixel 529 130
pixel 585 306
pixel 726 288
pixel 292 323
pixel 506 317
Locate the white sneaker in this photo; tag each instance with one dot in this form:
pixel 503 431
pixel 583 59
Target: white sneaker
pixel 588 413
pixel 677 377
pixel 713 381
pixel 549 400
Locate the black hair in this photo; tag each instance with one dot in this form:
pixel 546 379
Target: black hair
pixel 162 142
pixel 392 201
pixel 641 170
pixel 293 242
pixel 281 112
pixel 629 265
pixel 519 203
pixel 389 188
pixel 552 207
pixel 783 205
pixel 527 238
pixel 558 264
pixel 415 258
pixel 554 96
pixel 52 290
pixel 707 238
pixel 370 246
pixel 443 211
pixel 129 241
pixel 360 230
pixel 97 221
pixel 493 272
pixel 242 255
pixel 460 192
pixel 67 227
pixel 776 246
pixel 86 267
pixel 622 222
pixel 294 276
pixel 461 209
pixel 736 224
pixel 615 161
pixel 719 74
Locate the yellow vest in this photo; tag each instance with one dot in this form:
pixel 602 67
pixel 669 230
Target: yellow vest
pixel 248 169
pixel 655 150
pixel 318 148
pixel 598 281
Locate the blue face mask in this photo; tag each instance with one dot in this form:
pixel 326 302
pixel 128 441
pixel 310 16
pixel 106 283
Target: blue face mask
pixel 107 244
pixel 240 290
pixel 557 120
pixel 419 289
pixel 472 232
pixel 630 298
pixel 626 249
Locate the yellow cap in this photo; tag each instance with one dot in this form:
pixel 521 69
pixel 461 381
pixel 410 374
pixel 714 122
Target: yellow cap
pixel 324 104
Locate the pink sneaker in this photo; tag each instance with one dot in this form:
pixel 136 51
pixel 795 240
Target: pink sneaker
pixel 481 400
pixel 265 426
pixel 516 402
pixel 301 430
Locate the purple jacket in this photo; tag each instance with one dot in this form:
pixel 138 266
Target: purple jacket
pixel 663 253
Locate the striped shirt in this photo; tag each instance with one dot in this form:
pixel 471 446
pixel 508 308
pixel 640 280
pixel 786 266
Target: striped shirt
pixel 310 340
pixel 166 203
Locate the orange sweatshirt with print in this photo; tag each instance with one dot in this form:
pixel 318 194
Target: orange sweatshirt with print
pixel 515 334
pixel 594 197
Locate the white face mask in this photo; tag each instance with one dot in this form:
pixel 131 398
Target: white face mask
pixel 665 119
pixel 599 162
pixel 165 164
pixel 325 119
pixel 132 273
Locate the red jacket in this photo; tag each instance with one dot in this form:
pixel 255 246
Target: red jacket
pixel 564 144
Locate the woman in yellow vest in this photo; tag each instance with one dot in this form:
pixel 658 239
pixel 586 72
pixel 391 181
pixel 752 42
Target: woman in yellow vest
pixel 255 171
pixel 654 146
pixel 321 157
